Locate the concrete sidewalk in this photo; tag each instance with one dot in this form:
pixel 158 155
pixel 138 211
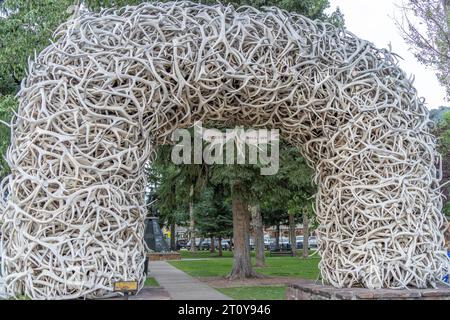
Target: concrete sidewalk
pixel 180 285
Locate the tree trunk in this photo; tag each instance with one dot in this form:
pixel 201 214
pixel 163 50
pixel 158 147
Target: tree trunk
pixel 220 246
pixel 305 234
pixel 173 243
pixel 277 240
pixel 200 243
pixel 191 218
pixel 212 248
pixel 242 267
pixel 292 234
pixel 259 236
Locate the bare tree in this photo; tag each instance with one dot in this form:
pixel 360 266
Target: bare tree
pixel 425 26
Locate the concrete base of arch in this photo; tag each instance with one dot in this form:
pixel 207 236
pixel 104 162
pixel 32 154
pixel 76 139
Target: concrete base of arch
pixel 312 291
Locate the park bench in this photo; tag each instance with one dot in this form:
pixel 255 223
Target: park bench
pixel 279 253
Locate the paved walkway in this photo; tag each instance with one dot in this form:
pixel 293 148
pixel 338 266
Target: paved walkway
pixel 180 285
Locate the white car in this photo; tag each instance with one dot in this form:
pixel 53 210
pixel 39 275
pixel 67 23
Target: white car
pixel 312 242
pixel 267 242
pixel 284 244
pixel 197 243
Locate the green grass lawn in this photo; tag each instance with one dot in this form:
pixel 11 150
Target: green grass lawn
pixel 185 254
pixel 255 293
pixel 276 266
pixel 201 254
pixel 150 281
pixel 295 267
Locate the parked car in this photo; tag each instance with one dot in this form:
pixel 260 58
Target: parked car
pixel 206 244
pixel 226 245
pixel 252 244
pixel 182 244
pixel 299 242
pixel 284 244
pixel 267 241
pixel 197 243
pixel 312 242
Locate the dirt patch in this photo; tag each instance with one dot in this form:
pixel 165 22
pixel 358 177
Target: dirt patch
pixel 220 282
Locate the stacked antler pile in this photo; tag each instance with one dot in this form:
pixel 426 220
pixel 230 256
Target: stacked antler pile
pixel 114 84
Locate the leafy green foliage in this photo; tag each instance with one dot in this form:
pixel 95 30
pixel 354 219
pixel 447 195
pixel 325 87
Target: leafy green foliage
pixel 437 115
pixel 172 184
pixel 25 28
pixel 295 190
pixel 443 133
pixel 7 105
pixel 213 212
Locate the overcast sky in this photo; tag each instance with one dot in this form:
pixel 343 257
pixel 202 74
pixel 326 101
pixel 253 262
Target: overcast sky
pixel 373 21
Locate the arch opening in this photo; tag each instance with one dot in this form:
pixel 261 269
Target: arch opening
pixel 115 84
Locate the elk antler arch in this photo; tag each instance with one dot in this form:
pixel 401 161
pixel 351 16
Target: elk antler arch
pixel 114 84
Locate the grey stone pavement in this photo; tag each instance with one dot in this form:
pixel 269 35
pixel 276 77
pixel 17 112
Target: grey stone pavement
pixel 180 285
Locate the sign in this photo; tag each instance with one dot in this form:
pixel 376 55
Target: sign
pixel 126 286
